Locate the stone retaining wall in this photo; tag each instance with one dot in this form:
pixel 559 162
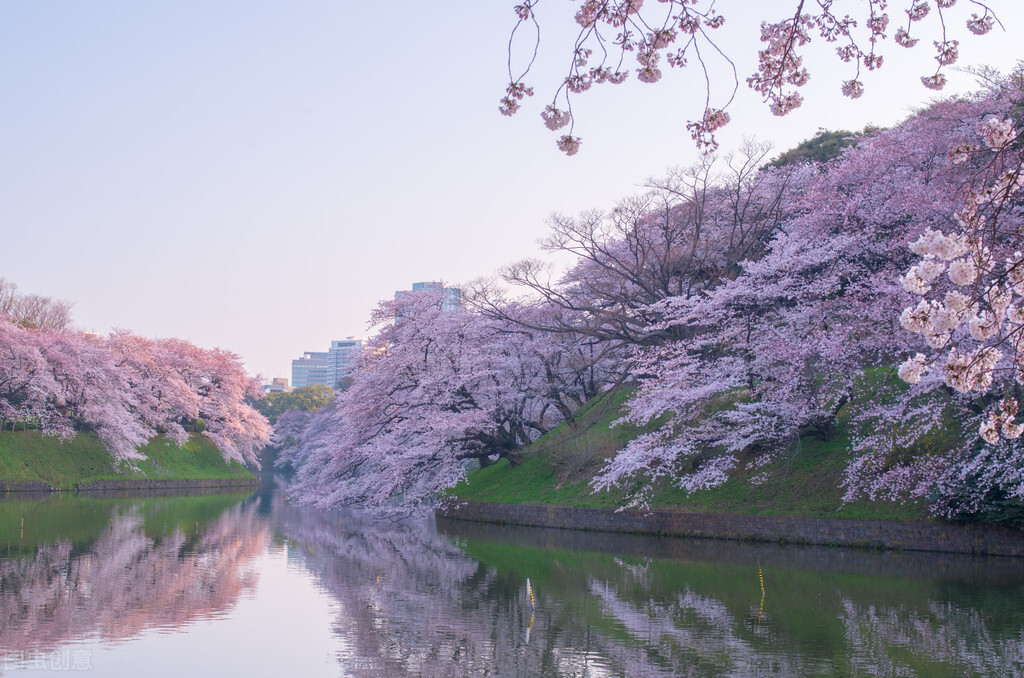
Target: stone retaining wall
pixel 134 484
pixel 911 536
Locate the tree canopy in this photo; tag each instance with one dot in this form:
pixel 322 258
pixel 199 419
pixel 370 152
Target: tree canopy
pixel 124 388
pixel 748 305
pixel 304 399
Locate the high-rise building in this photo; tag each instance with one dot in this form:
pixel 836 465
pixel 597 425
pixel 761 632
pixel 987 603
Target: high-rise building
pixel 312 368
pixel 345 355
pixel 329 367
pixel 451 297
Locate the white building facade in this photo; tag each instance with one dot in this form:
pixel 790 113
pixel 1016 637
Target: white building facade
pixel 328 367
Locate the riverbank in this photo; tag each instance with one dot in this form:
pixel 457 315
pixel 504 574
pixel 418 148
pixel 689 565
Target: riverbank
pixel 796 497
pixel 876 534
pixel 31 462
pixel 804 481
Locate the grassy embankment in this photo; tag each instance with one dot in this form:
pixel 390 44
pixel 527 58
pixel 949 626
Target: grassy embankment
pixel 28 456
pixel 804 481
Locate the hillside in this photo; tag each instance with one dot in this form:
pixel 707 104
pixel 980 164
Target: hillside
pixel 30 457
pixel 556 470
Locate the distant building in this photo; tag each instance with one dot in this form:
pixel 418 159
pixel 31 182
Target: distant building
pixel 345 355
pixel 451 297
pixel 312 368
pixel 277 385
pixel 329 367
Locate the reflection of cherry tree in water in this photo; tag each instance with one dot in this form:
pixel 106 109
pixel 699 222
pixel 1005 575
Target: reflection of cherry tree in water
pixel 409 601
pixel 959 613
pixel 707 635
pixel 942 631
pixel 693 635
pixel 127 582
pixel 412 602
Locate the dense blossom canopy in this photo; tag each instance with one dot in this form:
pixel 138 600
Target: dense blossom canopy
pixel 127 389
pixel 748 307
pixel 438 387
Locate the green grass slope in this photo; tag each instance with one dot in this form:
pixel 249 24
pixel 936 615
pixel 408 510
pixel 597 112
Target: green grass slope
pixel 28 456
pixel 556 470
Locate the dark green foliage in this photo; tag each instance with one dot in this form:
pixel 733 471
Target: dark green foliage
pixel 307 399
pixel 997 509
pixel 822 147
pixel 197 426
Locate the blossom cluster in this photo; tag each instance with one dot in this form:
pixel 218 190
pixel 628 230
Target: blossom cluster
pixel 981 25
pixel 569 144
pixel 554 118
pixel 1001 422
pixel 617 29
pixel 514 94
pixel 935 82
pixel 853 89
pixel 703 131
pixel 780 65
pixel 997 133
pixel 981 312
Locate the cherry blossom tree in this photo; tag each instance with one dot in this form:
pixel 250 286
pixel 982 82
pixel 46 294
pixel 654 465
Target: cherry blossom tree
pixel 223 389
pixel 124 388
pixel 437 388
pixel 577 365
pixel 33 310
pixel 26 386
pixel 965 309
pixel 93 393
pixel 680 239
pixel 289 427
pixel 972 305
pixel 681 33
pixel 753 307
pixel 164 401
pixel 776 352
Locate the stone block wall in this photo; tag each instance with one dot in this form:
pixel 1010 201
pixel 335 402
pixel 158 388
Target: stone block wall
pixel 134 484
pixel 911 536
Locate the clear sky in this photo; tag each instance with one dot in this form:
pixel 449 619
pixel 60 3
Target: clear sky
pixel 256 174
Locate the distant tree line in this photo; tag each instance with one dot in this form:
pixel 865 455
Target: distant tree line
pixel 124 388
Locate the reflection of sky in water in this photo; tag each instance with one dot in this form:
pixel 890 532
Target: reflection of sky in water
pixel 260 588
pixel 281 627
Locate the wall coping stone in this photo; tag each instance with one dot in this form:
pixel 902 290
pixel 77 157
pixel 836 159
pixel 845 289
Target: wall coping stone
pixel 129 484
pixel 876 534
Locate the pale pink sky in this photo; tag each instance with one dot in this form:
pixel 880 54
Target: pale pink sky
pixel 255 175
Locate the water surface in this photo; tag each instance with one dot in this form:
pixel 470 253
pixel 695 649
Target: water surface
pixel 250 585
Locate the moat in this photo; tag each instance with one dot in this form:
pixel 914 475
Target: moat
pixel 240 584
